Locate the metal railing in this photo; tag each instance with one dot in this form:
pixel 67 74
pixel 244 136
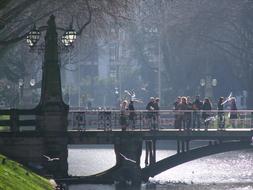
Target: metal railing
pixel 163 119
pixel 17 120
pixel 23 120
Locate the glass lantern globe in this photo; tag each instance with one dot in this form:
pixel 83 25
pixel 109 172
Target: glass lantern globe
pixel 20 83
pixel 33 37
pixel 32 82
pixel 65 42
pixel 214 82
pixel 202 82
pixel 116 91
pixel 70 35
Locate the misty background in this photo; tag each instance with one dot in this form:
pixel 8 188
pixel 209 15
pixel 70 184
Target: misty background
pixel 160 48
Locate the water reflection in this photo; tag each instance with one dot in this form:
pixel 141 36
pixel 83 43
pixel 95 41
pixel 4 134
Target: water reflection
pixel 169 186
pixel 231 170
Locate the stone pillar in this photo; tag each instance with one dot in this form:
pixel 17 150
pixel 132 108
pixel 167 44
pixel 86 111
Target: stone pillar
pixel 52 112
pixel 128 153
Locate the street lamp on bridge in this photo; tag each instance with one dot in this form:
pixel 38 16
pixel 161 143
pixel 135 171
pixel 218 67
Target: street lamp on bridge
pixel 67 39
pixel 52 112
pixel 208 83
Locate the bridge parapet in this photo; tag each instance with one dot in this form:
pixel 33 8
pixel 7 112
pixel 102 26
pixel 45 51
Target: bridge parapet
pixel 164 119
pixel 17 120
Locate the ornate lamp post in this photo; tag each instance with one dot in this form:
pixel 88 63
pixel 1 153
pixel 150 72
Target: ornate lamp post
pixel 67 39
pixel 116 92
pixel 21 88
pixel 52 112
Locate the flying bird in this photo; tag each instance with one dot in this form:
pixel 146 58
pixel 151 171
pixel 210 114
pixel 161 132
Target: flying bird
pixel 50 159
pixel 133 96
pixel 127 92
pixel 227 99
pixel 128 159
pixel 210 119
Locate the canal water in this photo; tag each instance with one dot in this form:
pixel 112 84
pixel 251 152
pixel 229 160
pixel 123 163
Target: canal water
pixel 226 171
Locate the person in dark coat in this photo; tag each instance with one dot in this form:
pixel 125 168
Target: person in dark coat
pixel 132 114
pixel 177 123
pixel 207 107
pixel 233 113
pixel 123 115
pixel 183 116
pixel 156 113
pixel 150 112
pixel 196 106
pixel 221 115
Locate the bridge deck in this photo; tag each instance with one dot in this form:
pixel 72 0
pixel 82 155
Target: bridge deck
pixel 109 137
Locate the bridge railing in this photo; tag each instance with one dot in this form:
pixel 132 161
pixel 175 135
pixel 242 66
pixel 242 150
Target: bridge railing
pixel 17 120
pixel 163 119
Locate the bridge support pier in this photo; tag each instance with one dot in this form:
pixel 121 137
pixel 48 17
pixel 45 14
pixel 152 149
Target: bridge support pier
pixel 150 157
pixel 183 146
pixel 128 153
pixel 187 142
pixel 178 146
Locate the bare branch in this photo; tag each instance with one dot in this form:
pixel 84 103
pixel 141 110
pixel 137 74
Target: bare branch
pixel 89 19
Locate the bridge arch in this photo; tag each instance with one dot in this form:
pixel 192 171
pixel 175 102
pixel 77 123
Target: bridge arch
pixel 180 158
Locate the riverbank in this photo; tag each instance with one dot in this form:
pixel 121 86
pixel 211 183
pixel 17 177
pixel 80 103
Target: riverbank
pixel 14 176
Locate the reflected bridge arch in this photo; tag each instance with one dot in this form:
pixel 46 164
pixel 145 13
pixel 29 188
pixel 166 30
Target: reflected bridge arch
pixel 193 154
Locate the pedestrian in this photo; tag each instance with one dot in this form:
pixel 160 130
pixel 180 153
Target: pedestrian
pixel 123 115
pixel 132 114
pixel 233 112
pixel 183 107
pixel 196 106
pixel 150 112
pixel 177 116
pixel 207 107
pixel 156 113
pixel 188 113
pixel 221 115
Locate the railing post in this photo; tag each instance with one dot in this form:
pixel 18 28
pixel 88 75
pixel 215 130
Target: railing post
pixel 187 145
pixel 182 145
pixel 14 120
pixel 154 151
pixel 178 146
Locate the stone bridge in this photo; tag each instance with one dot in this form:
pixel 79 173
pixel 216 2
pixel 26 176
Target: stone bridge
pixel 29 135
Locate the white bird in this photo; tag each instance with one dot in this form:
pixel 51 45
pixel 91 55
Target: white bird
pixel 50 159
pixel 144 87
pixel 133 95
pixel 127 92
pixel 211 118
pixel 137 100
pixel 128 159
pixel 228 99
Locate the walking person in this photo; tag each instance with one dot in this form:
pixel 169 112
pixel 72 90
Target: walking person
pixel 182 107
pixel 132 114
pixel 207 107
pixel 156 113
pixel 197 106
pixel 177 116
pixel 150 112
pixel 123 115
pixel 233 112
pixel 188 113
pixel 221 115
